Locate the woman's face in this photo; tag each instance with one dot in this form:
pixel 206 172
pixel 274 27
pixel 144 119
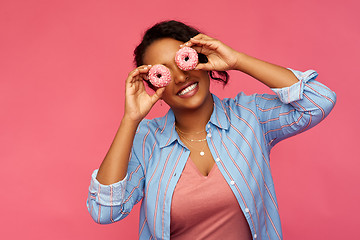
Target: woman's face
pixel 187 89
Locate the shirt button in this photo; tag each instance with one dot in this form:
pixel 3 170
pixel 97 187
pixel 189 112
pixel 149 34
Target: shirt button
pixel 208 126
pixel 247 210
pixel 217 159
pixel 232 182
pixel 255 236
pixel 209 135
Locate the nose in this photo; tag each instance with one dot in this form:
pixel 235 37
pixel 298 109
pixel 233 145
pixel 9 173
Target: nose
pixel 179 75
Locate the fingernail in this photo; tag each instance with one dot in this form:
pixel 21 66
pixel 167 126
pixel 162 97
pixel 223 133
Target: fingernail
pixel 149 65
pixel 186 44
pixel 181 45
pixel 145 68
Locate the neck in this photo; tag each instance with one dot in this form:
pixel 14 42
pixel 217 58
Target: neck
pixel 194 120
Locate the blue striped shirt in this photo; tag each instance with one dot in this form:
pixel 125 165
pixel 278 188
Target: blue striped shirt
pixel 240 135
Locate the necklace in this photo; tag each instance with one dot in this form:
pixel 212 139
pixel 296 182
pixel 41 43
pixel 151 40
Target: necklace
pixel 202 153
pixel 192 140
pixel 188 140
pixel 188 132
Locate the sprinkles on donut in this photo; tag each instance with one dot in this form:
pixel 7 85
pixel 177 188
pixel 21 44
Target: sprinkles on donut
pixel 159 75
pixel 186 58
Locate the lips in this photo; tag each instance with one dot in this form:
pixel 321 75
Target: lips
pixel 188 88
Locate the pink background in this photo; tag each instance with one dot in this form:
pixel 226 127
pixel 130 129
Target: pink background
pixel 62 71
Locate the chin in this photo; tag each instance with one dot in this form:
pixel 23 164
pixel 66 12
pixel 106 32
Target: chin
pixel 195 102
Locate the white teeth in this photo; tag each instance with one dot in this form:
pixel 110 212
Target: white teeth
pixel 188 89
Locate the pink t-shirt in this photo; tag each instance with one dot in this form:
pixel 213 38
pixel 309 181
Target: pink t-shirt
pixel 204 207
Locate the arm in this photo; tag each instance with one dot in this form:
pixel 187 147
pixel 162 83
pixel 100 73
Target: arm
pixel 112 193
pixel 222 58
pixel 295 109
pixel 115 164
pixel 137 104
pixel 272 75
pixel 301 101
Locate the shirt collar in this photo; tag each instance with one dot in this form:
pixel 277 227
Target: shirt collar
pixel 167 129
pixel 219 118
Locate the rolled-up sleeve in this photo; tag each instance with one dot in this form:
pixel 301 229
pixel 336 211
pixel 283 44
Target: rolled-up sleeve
pixel 296 108
pixel 107 195
pixel 105 200
pixel 111 203
pixel 295 91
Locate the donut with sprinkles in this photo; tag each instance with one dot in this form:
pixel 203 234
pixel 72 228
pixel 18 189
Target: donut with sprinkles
pixel 159 75
pixel 186 58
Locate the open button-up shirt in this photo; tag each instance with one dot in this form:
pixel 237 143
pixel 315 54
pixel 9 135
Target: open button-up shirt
pixel 240 135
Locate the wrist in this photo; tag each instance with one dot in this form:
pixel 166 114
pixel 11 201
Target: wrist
pixel 129 122
pixel 240 59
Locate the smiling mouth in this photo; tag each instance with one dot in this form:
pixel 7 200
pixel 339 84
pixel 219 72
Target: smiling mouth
pixel 188 89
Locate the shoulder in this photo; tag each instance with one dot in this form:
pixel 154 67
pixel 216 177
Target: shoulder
pixel 253 101
pixel 245 106
pixel 241 102
pixel 149 127
pixel 231 110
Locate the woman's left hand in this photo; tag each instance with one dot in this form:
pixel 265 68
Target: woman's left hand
pixel 220 56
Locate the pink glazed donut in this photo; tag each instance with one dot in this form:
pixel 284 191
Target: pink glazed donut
pixel 159 75
pixel 186 58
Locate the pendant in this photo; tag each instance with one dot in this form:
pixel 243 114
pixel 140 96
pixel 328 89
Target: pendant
pixel 202 153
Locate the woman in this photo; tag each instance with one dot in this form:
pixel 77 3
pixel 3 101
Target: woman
pixel 203 169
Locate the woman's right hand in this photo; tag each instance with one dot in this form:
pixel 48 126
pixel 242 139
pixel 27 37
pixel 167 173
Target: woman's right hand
pixel 137 101
pixel 220 56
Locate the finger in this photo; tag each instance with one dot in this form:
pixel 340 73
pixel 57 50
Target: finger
pixel 131 76
pixel 145 71
pixel 204 66
pixel 144 68
pixel 138 78
pixel 158 94
pixel 134 83
pixel 136 71
pixel 186 44
pixel 205 50
pixel 211 44
pixel 141 70
pixel 133 72
pixel 202 50
pixel 202 36
pixel 197 37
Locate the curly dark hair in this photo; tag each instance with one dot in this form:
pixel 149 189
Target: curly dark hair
pixel 179 31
